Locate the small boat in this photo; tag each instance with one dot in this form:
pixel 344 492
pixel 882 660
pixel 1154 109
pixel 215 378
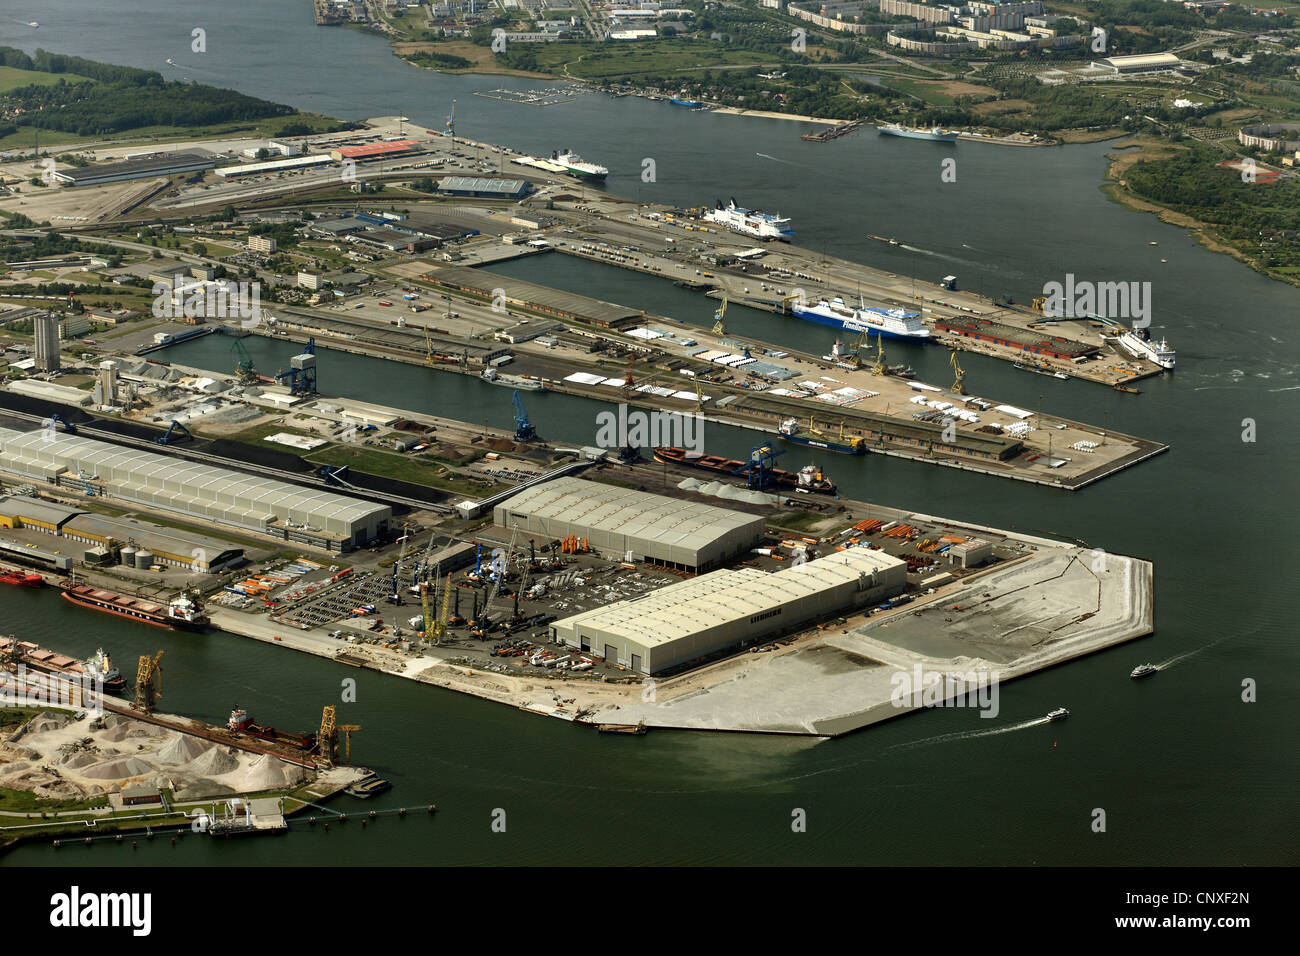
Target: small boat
pixel 1059 714
pixel 1143 670
pixel 636 729
pixel 1153 243
pixel 24 579
pixel 1127 388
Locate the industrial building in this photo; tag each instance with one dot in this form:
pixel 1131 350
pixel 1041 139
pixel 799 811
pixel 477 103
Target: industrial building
pixel 369 151
pixel 318 518
pixel 482 188
pixel 632 525
pixel 1141 63
pixel 110 540
pixel 166 164
pixel 46 328
pixel 716 612
pixel 1056 346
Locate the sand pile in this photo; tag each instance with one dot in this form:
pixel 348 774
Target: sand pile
pixel 79 759
pixel 128 728
pixel 45 722
pixel 213 763
pixel 266 773
pixel 182 749
pixel 119 768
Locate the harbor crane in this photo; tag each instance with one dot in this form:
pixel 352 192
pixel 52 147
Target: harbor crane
pixel 148 682
pixel 878 366
pixel 628 380
pixel 301 375
pixel 244 370
pixel 421 568
pixel 348 731
pixel 172 429
pixel 328 736
pixel 959 375
pixel 524 430
pixel 758 470
pixel 57 419
pixel 719 325
pixel 394 595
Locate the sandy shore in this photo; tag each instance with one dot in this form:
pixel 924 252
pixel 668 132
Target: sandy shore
pixel 767 114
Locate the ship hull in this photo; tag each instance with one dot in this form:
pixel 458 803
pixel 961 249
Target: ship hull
pixel 853 325
pixel 926 135
pixel 1140 349
pixel 144 617
pixel 838 447
pixel 22 579
pixel 583 174
pixel 730 466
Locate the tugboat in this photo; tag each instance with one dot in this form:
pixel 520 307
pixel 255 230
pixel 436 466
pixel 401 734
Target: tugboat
pixel 24 579
pixel 1143 670
pixel 1059 714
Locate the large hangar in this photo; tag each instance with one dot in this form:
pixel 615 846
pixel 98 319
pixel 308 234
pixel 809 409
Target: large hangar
pixel 322 519
pixel 728 609
pixel 619 521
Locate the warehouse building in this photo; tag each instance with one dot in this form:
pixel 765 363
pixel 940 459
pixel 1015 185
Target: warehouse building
pixel 632 525
pixel 483 188
pixel 369 151
pixel 717 612
pixel 166 164
pixel 318 518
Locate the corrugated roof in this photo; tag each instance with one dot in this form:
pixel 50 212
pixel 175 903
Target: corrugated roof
pixel 683 609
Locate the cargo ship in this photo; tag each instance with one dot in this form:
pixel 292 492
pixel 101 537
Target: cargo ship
pixel 182 613
pixel 23 579
pixel 807 479
pixel 35 658
pixel 889 323
pixel 241 722
pixel 512 381
pixel 934 134
pixel 760 225
pixel 1138 343
pixel 813 438
pixel 575 165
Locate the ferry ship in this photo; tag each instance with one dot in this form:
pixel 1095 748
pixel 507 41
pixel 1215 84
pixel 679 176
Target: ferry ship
pixel 24 579
pixel 577 166
pixel 813 438
pixel 808 479
pixel 890 323
pixel 934 134
pixel 1143 670
pixel 1138 344
pixel 182 614
pixel 750 222
pixel 35 658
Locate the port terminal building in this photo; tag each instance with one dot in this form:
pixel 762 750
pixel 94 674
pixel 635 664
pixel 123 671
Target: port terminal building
pixel 166 164
pixel 632 525
pixel 206 493
pixel 728 609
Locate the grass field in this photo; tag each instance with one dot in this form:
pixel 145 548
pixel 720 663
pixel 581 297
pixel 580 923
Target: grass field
pixel 413 468
pixel 11 78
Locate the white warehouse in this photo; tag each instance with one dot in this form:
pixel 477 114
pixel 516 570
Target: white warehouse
pixel 728 609
pixel 322 519
pixel 619 521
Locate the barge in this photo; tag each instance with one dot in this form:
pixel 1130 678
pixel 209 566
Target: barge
pixel 807 479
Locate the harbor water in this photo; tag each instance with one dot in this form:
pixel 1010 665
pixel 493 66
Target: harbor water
pixel 1187 772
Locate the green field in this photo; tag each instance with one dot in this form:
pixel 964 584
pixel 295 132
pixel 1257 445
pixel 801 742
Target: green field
pixel 11 78
pixel 413 468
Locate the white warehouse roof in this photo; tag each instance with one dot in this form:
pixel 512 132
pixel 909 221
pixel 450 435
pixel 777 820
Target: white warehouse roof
pixel 220 494
pixel 617 520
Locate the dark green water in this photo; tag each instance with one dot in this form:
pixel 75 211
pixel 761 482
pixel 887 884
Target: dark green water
pixel 1186 771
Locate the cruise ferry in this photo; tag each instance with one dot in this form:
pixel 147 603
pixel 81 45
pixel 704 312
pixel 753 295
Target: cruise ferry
pixel 577 166
pixel 890 323
pixel 1138 344
pixel 751 222
pixel 934 134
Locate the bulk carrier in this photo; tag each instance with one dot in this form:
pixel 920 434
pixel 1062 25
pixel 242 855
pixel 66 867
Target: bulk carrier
pixel 809 478
pixel 182 613
pixel 98 667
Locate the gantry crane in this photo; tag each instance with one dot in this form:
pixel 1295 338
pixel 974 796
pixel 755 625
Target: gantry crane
pixel 424 608
pixel 148 682
pixel 440 625
pixel 326 739
pixel 719 323
pixel 959 376
pixel 878 366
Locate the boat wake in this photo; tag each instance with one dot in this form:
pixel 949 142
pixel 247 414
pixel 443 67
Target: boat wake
pixel 1165 665
pixel 969 734
pixel 776 160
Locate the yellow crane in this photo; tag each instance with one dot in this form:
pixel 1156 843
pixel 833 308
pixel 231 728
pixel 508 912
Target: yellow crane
pixel 720 326
pixel 440 625
pixel 148 682
pixel 424 605
pixel 348 730
pixel 959 375
pixel 878 366
pixel 328 735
